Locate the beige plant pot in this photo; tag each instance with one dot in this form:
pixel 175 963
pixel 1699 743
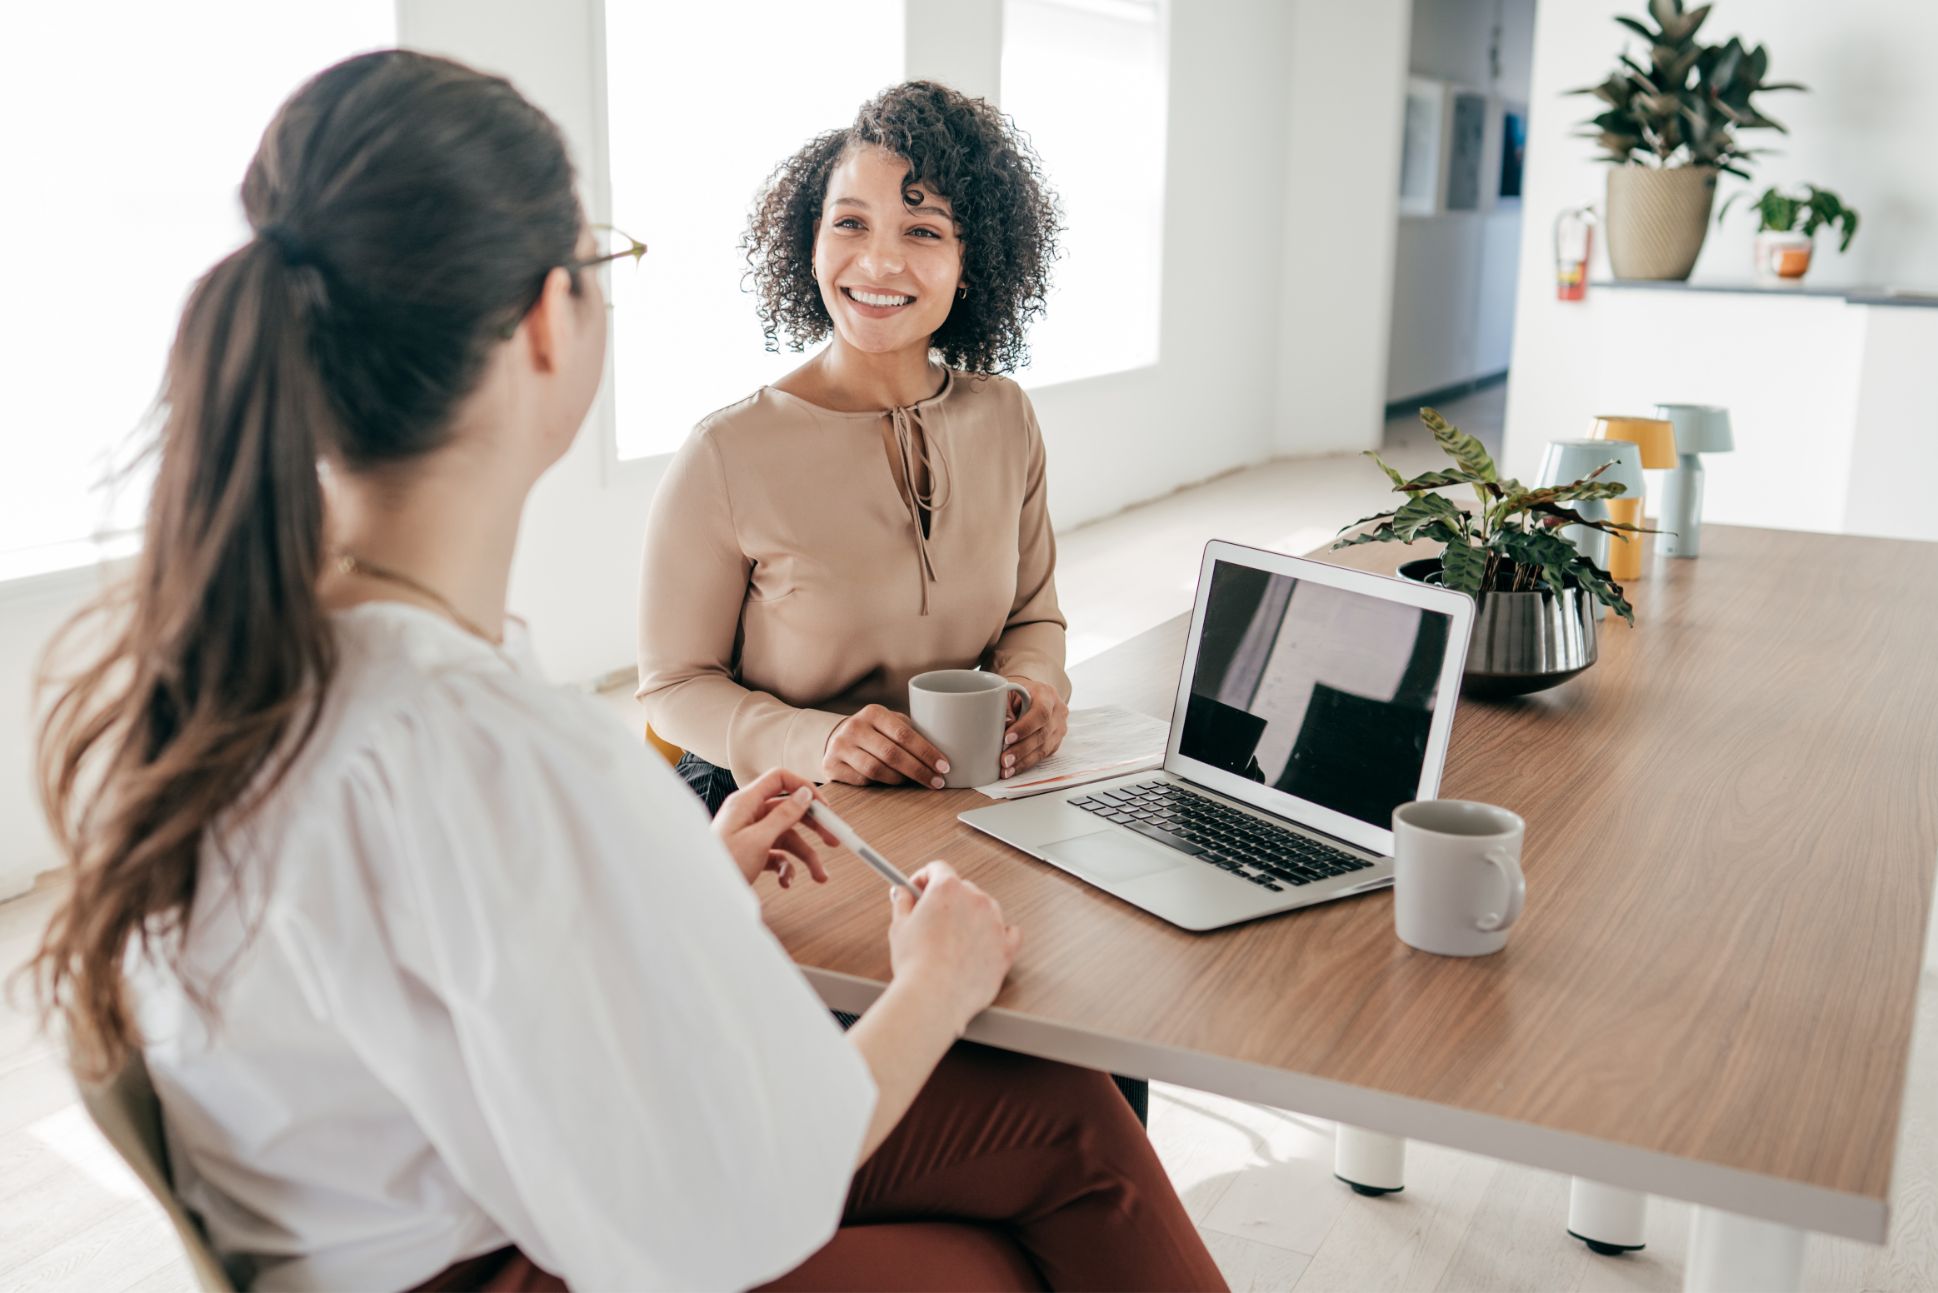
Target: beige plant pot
pixel 1657 219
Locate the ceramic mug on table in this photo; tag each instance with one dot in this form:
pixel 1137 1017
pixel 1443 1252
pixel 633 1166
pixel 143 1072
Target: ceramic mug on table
pixel 1457 883
pixel 963 713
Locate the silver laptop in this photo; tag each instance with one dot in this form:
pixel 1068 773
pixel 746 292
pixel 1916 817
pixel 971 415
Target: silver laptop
pixel 1313 701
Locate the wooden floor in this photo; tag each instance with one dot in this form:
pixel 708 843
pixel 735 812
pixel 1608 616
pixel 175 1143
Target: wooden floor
pixel 1257 1181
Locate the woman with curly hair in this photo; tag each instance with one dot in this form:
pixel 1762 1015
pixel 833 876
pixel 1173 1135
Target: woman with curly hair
pixel 880 511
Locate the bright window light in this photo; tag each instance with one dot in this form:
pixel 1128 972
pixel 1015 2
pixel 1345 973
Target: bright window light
pixel 129 127
pixel 692 136
pixel 1085 79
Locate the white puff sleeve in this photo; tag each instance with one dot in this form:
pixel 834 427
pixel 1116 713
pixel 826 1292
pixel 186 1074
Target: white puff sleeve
pixel 544 953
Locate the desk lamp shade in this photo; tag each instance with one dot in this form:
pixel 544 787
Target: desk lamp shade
pixel 1568 461
pixel 1655 440
pixel 1700 429
pixel 1655 436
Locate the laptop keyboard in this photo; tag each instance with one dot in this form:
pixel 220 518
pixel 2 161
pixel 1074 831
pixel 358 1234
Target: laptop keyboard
pixel 1213 832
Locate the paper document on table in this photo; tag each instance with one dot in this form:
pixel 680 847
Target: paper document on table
pixel 1103 742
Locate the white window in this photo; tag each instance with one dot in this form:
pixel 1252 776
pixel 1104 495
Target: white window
pixel 129 126
pixel 1086 80
pixel 702 102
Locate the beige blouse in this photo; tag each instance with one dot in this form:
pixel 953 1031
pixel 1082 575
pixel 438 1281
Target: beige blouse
pixel 788 581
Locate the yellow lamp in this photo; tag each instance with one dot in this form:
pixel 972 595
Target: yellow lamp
pixel 1656 439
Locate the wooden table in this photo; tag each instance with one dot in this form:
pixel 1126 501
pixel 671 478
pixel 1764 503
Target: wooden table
pixel 1732 826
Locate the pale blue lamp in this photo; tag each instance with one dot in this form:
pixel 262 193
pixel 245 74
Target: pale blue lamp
pixel 1700 429
pixel 1566 462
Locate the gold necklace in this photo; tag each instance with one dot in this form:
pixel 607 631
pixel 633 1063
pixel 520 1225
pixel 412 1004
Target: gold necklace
pixel 348 563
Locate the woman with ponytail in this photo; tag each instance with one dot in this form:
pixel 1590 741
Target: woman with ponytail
pixel 415 949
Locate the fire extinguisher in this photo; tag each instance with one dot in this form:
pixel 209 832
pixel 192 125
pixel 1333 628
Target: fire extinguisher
pixel 1574 235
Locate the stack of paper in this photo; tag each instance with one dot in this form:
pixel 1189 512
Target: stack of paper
pixel 1101 743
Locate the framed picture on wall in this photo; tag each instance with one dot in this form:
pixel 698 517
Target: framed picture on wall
pixel 1466 140
pixel 1514 149
pixel 1420 140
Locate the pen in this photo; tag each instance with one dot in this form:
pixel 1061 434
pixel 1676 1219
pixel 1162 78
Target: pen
pixel 825 815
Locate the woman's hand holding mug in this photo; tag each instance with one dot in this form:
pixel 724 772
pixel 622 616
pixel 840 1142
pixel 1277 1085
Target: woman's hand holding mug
pixel 1038 732
pixel 875 744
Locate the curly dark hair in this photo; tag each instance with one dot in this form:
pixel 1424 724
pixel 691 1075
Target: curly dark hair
pixel 1006 217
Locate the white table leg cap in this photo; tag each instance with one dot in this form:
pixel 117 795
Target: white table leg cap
pixel 1733 1254
pixel 1371 1162
pixel 1608 1220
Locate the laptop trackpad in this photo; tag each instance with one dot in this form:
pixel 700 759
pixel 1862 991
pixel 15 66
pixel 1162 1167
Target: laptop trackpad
pixel 1112 856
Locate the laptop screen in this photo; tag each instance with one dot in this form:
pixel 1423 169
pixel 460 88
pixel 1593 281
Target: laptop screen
pixel 1316 691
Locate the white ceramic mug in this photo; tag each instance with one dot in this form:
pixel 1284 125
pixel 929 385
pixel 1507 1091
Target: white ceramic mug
pixel 1457 882
pixel 963 713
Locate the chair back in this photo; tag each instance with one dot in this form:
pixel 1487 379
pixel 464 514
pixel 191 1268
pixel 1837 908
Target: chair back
pixel 125 1109
pixel 667 750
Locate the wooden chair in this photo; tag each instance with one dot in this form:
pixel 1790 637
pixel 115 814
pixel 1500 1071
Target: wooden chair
pixel 128 1114
pixel 667 750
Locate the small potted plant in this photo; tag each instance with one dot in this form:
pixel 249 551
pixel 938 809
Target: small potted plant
pixel 1668 125
pixel 1534 625
pixel 1787 225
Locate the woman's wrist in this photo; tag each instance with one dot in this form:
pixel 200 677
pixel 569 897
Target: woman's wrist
pixel 934 993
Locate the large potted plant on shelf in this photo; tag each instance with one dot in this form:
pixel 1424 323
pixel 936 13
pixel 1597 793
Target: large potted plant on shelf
pixel 1534 625
pixel 1669 125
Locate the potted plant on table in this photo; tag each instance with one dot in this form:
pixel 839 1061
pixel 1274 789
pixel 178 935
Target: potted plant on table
pixel 1787 225
pixel 1669 126
pixel 1534 625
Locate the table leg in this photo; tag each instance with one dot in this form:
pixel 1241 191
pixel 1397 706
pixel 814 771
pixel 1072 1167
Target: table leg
pixel 1369 1161
pixel 1732 1254
pixel 1608 1220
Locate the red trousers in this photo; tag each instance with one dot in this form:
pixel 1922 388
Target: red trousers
pixel 1007 1173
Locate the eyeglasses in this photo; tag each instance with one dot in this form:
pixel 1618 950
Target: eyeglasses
pixel 614 245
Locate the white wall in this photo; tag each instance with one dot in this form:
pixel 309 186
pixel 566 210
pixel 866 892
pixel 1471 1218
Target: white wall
pixel 1453 283
pixel 31 611
pixel 1205 406
pixel 1894 449
pixel 1864 130
pixel 1347 76
pixel 574 578
pixel 1453 300
pixel 965 52
pixel 578 551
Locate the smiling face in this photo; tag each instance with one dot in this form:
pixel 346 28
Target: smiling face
pixel 887 257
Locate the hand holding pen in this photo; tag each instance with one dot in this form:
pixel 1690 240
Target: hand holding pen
pixel 946 936
pixel 766 828
pixel 945 930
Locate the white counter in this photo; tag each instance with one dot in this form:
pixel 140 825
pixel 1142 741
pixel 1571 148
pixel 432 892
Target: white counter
pixel 1830 391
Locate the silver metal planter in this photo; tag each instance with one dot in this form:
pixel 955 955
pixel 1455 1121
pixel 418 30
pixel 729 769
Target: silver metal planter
pixel 1523 642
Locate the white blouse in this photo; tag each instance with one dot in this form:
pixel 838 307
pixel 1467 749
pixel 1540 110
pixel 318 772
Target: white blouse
pixel 505 987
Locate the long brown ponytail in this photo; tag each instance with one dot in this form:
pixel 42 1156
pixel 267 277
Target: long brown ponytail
pixel 406 211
